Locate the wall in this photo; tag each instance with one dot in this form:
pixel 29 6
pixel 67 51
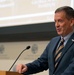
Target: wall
pixel 10 50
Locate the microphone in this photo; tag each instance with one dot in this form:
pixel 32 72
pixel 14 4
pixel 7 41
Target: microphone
pixel 28 47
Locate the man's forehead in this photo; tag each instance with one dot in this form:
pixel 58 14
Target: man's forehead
pixel 60 15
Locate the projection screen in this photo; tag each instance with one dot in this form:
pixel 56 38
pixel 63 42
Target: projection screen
pixel 19 12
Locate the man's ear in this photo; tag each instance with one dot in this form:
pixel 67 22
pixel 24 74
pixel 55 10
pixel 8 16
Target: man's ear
pixel 72 22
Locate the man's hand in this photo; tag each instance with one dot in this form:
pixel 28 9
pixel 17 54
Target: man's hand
pixel 20 68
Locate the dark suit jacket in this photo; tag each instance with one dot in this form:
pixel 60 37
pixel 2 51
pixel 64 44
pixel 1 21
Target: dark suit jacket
pixel 46 60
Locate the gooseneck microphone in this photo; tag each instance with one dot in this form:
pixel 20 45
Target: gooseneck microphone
pixel 28 47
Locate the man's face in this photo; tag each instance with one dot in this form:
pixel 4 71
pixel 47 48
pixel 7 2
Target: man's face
pixel 62 23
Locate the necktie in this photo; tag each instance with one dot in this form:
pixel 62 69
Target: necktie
pixel 58 52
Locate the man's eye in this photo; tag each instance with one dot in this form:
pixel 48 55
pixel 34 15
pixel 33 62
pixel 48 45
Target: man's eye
pixel 60 21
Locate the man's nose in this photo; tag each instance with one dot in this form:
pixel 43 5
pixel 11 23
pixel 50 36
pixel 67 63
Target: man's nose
pixel 56 24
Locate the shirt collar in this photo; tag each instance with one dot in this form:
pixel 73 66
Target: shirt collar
pixel 68 36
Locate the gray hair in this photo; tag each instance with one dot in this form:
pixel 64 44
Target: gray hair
pixel 68 10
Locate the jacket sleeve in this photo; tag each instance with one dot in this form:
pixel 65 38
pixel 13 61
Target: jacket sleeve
pixel 38 65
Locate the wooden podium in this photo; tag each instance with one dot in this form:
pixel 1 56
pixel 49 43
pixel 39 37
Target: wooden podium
pixel 9 73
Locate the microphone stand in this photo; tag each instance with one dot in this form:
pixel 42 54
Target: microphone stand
pixel 18 57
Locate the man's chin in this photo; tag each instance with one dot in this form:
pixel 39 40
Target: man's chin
pixel 59 33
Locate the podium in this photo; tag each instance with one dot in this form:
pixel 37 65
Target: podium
pixel 9 73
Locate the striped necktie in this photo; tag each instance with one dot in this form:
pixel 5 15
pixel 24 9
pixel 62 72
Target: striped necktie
pixel 58 52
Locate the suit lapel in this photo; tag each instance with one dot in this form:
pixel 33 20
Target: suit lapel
pixel 69 43
pixel 53 48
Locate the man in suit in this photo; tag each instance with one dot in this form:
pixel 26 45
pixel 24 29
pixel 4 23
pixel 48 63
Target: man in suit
pixel 64 57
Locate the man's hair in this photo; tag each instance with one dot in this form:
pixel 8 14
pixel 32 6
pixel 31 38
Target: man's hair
pixel 68 10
